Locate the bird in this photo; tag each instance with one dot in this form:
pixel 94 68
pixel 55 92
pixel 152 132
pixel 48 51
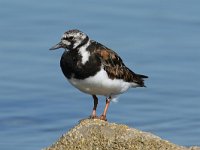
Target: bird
pixel 95 69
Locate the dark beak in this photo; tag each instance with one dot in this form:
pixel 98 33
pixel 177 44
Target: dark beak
pixel 57 46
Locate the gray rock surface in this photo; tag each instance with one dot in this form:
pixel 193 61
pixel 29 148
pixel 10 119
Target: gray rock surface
pixel 100 135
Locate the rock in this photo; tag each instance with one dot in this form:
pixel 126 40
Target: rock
pixel 100 135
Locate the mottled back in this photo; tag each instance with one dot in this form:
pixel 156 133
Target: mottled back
pixel 114 65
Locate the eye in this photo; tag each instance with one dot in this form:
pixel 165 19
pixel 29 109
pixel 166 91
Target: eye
pixel 71 38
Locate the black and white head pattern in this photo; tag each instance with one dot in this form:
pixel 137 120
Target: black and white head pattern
pixel 73 39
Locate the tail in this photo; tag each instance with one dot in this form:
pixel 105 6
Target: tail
pixel 142 76
pixel 136 79
pixel 141 79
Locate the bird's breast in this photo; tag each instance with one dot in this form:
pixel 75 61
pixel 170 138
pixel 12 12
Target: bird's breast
pixel 72 66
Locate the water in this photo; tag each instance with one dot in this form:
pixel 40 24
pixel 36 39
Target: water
pixel 159 39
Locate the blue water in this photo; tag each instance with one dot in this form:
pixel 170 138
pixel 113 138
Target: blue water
pixel 159 39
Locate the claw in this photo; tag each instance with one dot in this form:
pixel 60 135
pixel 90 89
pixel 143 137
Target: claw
pixel 103 117
pixel 93 117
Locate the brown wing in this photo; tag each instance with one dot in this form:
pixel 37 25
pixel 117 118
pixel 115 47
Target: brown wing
pixel 115 67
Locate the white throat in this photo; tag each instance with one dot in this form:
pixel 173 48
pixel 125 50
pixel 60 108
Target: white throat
pixel 84 53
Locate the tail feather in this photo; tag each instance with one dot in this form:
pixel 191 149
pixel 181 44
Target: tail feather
pixel 140 79
pixel 142 76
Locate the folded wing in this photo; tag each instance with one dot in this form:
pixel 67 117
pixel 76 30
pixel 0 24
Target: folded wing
pixel 115 67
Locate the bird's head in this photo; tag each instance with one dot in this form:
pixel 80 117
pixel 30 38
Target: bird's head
pixel 71 39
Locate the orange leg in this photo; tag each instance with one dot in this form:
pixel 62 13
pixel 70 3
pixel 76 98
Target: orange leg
pixel 103 116
pixel 94 114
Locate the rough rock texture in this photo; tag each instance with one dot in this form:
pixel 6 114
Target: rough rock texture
pixel 100 135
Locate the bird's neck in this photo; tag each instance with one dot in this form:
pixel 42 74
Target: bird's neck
pixel 84 42
pixel 84 52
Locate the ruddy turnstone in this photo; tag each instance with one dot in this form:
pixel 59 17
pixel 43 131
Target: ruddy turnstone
pixel 95 69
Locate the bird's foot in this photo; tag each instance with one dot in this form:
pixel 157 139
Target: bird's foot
pixel 103 117
pixel 93 117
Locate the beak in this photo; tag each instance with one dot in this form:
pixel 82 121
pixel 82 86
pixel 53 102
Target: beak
pixel 57 46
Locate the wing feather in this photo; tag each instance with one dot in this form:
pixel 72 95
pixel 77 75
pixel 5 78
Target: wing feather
pixel 115 67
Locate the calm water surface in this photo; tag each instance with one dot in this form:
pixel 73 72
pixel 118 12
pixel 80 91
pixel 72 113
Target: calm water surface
pixel 159 39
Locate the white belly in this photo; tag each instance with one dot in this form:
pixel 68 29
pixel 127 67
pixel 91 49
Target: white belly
pixel 100 84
